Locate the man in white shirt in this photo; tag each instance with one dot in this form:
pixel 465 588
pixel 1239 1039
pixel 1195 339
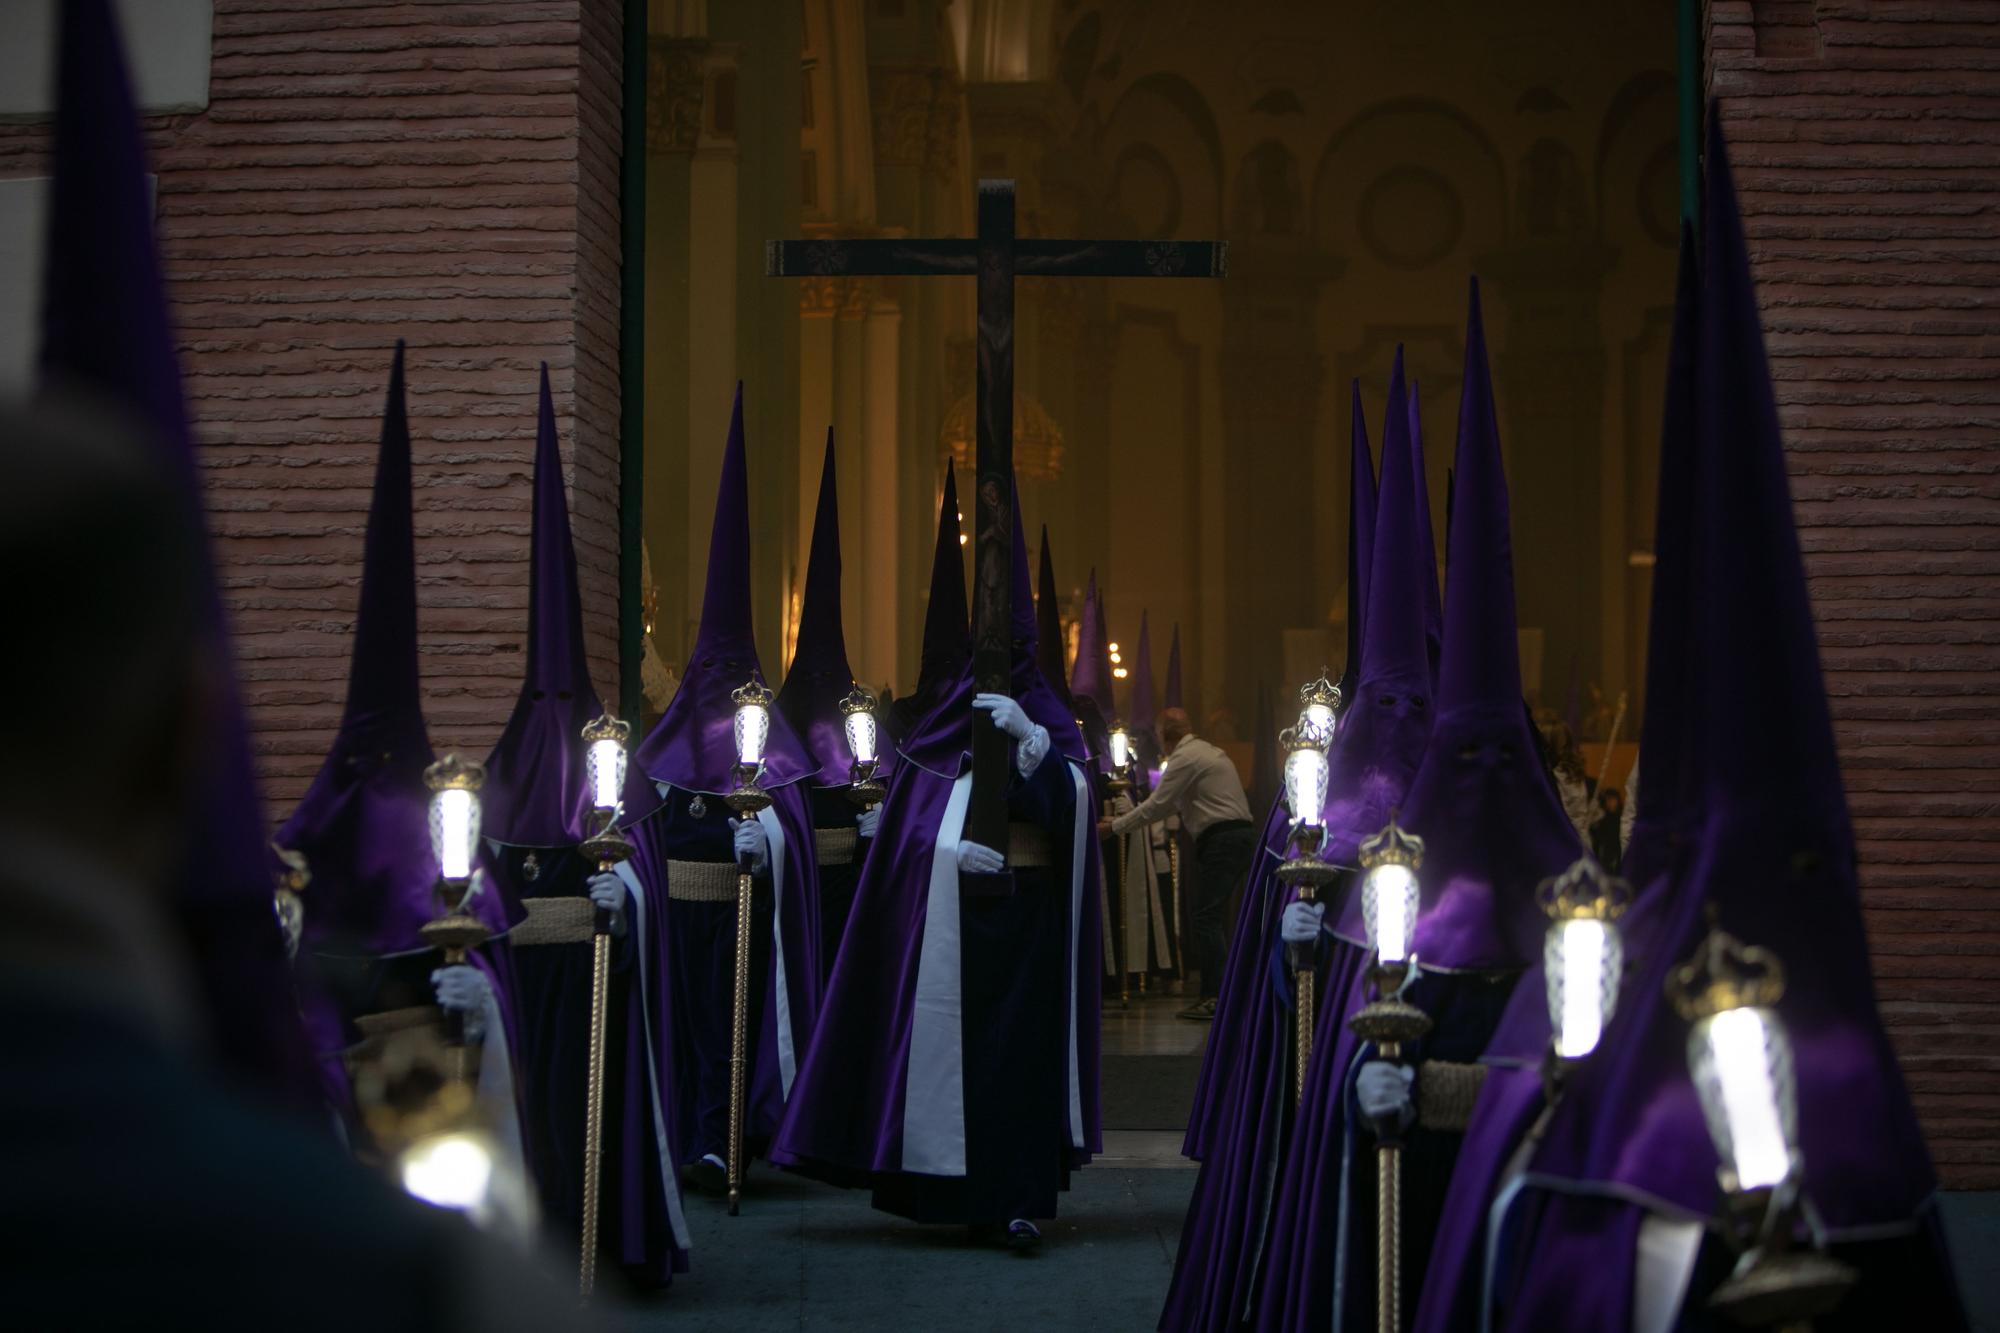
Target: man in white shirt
pixel 1200 783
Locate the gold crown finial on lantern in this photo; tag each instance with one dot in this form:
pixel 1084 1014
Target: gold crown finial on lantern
pixel 1321 691
pixel 1584 892
pixel 860 699
pixel 1725 973
pixel 752 691
pixel 605 727
pixel 1391 847
pixel 452 773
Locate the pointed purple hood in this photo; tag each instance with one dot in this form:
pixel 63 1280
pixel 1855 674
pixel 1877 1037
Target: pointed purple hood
pixel 1362 499
pixel 1492 826
pixel 1090 678
pixel 1388 718
pixel 106 330
pixel 1433 609
pixel 1048 624
pixel 820 677
pixel 1170 694
pixel 942 742
pixel 1773 853
pixel 947 645
pixel 364 824
pixel 1139 717
pixel 693 745
pixel 537 792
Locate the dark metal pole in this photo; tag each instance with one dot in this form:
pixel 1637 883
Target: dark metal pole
pixel 993 503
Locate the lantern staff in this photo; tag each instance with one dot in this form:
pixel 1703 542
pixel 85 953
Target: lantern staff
pixel 604 739
pixel 753 729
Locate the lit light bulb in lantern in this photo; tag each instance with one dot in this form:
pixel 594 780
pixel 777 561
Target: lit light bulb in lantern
pixel 1305 777
pixel 1741 1060
pixel 857 717
pixel 604 759
pixel 1583 956
pixel 1121 745
pixel 454 815
pixel 1389 892
pixel 453 1171
pixel 753 722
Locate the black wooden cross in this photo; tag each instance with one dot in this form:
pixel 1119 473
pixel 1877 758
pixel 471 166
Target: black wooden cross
pixel 995 257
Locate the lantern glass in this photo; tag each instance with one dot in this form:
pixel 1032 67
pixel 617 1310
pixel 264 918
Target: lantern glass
pixel 1741 1060
pixel 861 736
pixel 1389 908
pixel 1584 959
pixel 606 761
pixel 753 728
pixel 1322 719
pixel 1121 748
pixel 1305 786
pixel 454 831
pixel 452 1171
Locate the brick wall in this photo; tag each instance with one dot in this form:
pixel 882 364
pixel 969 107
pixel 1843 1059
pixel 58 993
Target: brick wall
pixel 1866 142
pixel 446 172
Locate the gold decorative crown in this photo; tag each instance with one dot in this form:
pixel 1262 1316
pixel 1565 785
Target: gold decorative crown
pixel 1392 846
pixel 1302 736
pixel 607 728
pixel 752 691
pixel 452 773
pixel 1585 891
pixel 1725 973
pixel 1321 691
pixel 860 700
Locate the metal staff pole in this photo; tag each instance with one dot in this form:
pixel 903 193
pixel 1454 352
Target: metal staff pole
pixel 753 721
pixel 604 740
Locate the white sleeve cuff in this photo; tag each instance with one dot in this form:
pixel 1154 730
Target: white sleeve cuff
pixel 1028 755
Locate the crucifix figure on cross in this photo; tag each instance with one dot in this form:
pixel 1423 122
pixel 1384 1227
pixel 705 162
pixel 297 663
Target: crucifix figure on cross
pixel 996 258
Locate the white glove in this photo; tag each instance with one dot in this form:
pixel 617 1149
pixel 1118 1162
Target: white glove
pixel 1121 805
pixel 752 842
pixel 1383 1091
pixel 607 893
pixel 870 820
pixel 1007 715
pixel 974 859
pixel 1301 922
pixel 464 989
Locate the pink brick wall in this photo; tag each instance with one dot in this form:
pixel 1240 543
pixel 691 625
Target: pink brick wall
pixel 1866 142
pixel 445 172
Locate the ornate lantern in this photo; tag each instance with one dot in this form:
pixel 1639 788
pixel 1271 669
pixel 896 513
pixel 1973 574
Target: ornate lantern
pixel 1305 796
pixel 1321 701
pixel 1120 757
pixel 857 719
pixel 753 730
pixel 454 786
pixel 287 897
pixel 1740 1060
pixel 1583 955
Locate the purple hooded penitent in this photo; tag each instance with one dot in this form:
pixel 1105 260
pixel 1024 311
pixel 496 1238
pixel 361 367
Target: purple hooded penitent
pixel 537 792
pixel 1772 856
pixel 927 1078
pixel 1170 692
pixel 1244 1103
pixel 537 807
pixel 1493 830
pixel 1384 723
pixel 690 756
pixel 106 331
pixel 1512 1094
pixel 1048 624
pixel 947 645
pixel 364 823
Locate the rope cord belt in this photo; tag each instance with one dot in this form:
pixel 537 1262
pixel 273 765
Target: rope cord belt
pixel 836 846
pixel 702 881
pixel 555 921
pixel 1446 1092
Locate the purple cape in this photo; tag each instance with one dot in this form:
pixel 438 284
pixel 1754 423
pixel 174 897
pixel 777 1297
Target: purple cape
pixel 105 328
pixel 364 823
pixel 847 1118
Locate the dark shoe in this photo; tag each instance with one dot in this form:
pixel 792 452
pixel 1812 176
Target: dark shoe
pixel 710 1175
pixel 1023 1236
pixel 1201 1011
